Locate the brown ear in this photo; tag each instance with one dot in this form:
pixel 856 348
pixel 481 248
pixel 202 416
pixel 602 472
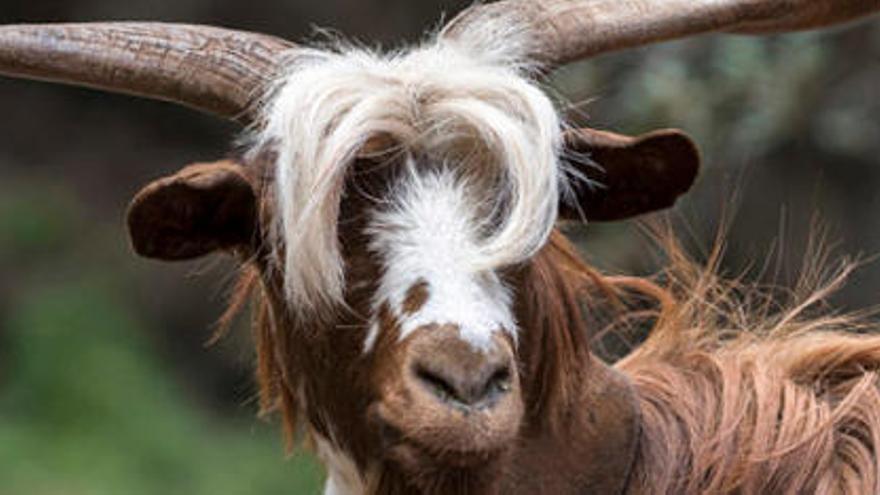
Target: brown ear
pixel 626 176
pixel 202 208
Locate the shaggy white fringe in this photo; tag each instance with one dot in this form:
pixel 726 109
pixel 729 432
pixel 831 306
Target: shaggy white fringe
pixel 473 94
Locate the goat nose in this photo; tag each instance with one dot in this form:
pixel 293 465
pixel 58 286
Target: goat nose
pixel 466 387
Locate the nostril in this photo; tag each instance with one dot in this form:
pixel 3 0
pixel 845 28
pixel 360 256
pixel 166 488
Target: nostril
pixel 499 383
pixel 478 390
pixel 438 385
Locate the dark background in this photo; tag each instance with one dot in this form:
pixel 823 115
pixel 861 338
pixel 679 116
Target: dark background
pixel 105 383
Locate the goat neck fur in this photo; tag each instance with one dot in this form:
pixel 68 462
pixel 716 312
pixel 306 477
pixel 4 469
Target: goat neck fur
pixel 748 391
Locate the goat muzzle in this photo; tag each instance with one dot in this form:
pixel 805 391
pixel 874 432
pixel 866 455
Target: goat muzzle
pixel 450 402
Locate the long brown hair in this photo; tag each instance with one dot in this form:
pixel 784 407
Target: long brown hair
pixel 745 389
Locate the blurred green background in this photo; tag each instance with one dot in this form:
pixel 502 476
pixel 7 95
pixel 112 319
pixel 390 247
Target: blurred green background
pixel 106 386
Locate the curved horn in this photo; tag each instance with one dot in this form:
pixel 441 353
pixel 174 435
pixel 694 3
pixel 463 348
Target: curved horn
pixel 219 71
pixel 563 31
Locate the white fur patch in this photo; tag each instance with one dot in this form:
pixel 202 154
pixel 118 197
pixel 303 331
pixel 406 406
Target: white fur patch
pixel 452 101
pixel 343 477
pixel 431 233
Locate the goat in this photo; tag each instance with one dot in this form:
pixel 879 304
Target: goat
pixel 418 314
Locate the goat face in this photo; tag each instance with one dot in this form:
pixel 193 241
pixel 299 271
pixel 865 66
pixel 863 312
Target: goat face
pixel 404 187
pixel 390 219
pixel 419 367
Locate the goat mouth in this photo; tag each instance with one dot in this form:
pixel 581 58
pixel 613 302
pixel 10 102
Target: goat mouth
pixel 414 445
pixel 414 454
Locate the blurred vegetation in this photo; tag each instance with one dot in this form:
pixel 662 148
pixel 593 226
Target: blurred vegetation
pixel 789 127
pixel 105 384
pixel 87 406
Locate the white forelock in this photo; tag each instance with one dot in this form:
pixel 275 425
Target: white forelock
pixel 431 234
pixel 447 102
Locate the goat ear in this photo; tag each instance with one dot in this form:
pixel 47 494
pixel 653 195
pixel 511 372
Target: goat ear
pixel 626 176
pixel 203 208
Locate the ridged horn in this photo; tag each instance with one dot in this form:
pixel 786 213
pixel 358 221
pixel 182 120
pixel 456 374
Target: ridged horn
pixel 214 70
pixel 563 31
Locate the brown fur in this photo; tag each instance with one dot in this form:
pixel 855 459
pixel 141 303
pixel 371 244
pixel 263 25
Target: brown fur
pixel 743 393
pixel 416 297
pixel 732 397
